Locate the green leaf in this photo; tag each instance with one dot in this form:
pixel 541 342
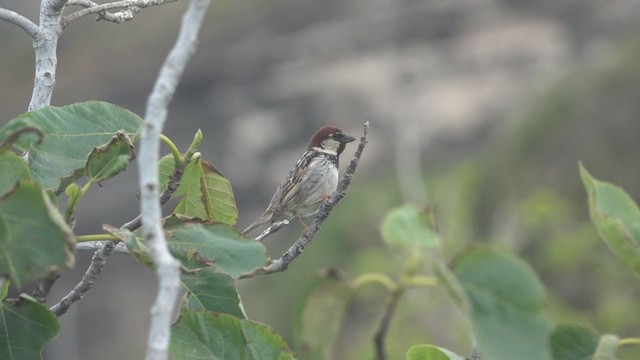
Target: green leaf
pixel 134 243
pixel 110 159
pixel 320 315
pixel 607 347
pixel 408 228
pixel 573 342
pixel 210 290
pixel 10 133
pixel 202 244
pixel 430 352
pixel 70 134
pixel 206 193
pixel 13 169
pixel 26 327
pixel 34 239
pixel 507 311
pixel 616 216
pixel 205 335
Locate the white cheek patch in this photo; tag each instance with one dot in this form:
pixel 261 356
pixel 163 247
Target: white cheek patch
pixel 330 147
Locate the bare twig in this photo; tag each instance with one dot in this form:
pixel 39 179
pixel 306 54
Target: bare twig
pixel 296 249
pixel 97 264
pixel 129 9
pixel 22 22
pixel 272 229
pixel 167 267
pixel 120 248
pixel 389 310
pixel 44 287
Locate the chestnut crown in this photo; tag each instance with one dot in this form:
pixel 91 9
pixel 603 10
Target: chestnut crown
pixel 330 139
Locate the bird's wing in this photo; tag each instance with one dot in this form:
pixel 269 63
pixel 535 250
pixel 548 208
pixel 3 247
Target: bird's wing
pixel 291 185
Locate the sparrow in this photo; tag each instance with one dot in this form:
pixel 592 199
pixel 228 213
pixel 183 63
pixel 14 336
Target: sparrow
pixel 311 181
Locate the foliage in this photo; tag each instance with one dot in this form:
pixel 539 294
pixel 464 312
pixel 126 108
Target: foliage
pixel 500 297
pixel 93 142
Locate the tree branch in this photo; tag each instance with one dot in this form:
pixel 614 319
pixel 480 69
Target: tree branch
pixel 272 229
pixel 167 267
pixel 44 287
pixel 296 249
pixel 130 8
pixel 22 22
pixel 389 310
pixel 45 47
pixel 97 265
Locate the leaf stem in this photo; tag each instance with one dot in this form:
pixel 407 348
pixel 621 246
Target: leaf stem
pixel 630 341
pixel 177 157
pixel 96 237
pixel 377 278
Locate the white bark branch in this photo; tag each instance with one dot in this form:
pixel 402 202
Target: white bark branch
pixel 130 8
pixel 25 24
pixel 45 50
pixel 167 267
pixel 120 248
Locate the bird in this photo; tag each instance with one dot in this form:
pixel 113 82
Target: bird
pixel 311 181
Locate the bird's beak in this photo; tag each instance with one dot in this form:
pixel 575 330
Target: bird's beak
pixel 347 139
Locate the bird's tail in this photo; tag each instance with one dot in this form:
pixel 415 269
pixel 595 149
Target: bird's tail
pixel 263 219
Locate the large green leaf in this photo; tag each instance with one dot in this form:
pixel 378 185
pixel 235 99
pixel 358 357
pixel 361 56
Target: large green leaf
pixel 70 134
pixel 573 342
pixel 430 352
pixel 206 193
pixel 321 315
pixel 207 289
pixel 202 244
pixel 616 217
pixel 110 159
pixel 210 290
pixel 408 228
pixel 26 326
pixel 13 168
pixel 507 311
pixel 205 335
pixel 34 239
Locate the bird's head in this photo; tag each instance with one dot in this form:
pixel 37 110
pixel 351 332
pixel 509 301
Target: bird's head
pixel 330 140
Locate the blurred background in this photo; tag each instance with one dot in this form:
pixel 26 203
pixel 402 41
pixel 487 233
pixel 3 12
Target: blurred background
pixel 481 108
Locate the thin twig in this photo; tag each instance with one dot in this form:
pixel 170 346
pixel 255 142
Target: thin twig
pixel 272 229
pixel 130 7
pixel 41 292
pixel 120 248
pixel 389 310
pixel 167 267
pixel 22 22
pixel 97 264
pixel 296 249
